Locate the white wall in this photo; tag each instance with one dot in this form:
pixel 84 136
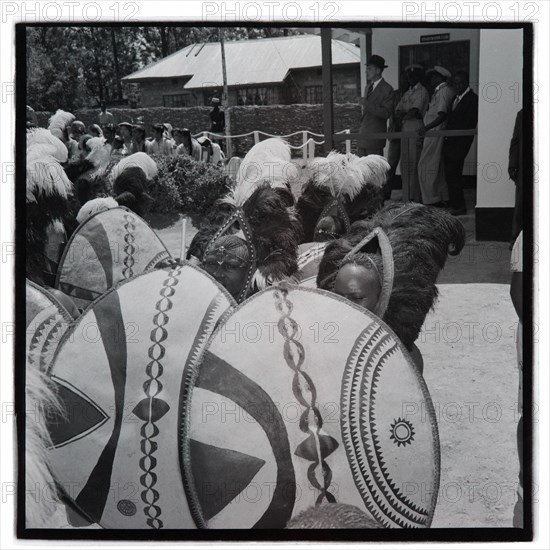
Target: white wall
pixel 500 70
pixel 386 42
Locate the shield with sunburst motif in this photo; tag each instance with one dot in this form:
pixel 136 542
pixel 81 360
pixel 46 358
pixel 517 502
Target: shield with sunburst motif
pixel 303 398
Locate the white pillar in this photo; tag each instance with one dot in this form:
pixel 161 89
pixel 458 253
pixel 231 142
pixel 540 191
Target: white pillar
pixel 500 98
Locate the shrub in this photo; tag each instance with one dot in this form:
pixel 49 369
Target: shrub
pixel 184 184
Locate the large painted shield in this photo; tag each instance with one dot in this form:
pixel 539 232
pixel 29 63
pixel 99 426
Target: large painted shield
pixel 309 258
pixel 122 374
pixel 107 248
pixel 301 398
pixel 46 321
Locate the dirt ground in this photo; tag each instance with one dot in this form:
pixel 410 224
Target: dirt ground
pixel 468 345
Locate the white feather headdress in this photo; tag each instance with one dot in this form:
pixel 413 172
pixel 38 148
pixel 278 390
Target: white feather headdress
pixel 268 161
pixel 40 139
pixel 45 175
pixel 59 122
pixel 141 160
pixel 347 174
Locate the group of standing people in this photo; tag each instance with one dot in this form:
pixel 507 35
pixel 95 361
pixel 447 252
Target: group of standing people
pixel 431 166
pixel 127 138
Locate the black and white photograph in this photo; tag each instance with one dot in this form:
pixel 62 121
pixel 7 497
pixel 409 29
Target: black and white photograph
pixel 268 280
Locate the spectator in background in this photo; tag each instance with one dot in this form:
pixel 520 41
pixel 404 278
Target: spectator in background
pixel 217 120
pixel 516 294
pixel 78 129
pixel 117 148
pixel 187 144
pixel 211 152
pixel 160 145
pixel 84 150
pixel 95 131
pixel 105 117
pixel 410 111
pixel 109 133
pixel 376 109
pixel 394 146
pixel 431 170
pixel 125 132
pixel 463 116
pixel 515 171
pixel 138 139
pixel 217 117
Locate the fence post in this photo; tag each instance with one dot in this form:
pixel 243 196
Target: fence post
pixel 348 143
pixel 304 145
pixel 256 137
pixel 311 149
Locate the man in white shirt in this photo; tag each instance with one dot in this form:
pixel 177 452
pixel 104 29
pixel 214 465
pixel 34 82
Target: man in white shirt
pixel 160 144
pixel 431 172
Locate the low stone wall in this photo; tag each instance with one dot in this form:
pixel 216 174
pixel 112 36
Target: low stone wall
pixel 272 119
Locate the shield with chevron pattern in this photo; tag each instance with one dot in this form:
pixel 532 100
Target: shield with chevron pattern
pixel 46 321
pixel 105 249
pixel 301 398
pixel 122 375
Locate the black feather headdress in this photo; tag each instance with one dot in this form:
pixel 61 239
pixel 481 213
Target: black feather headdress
pixel 274 233
pixel 354 184
pixel 421 238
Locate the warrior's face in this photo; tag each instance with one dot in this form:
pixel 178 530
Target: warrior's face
pixel 359 285
pixel 228 262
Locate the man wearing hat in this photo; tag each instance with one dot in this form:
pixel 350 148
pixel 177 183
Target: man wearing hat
pixel 160 145
pixel 431 170
pixel 377 108
pixel 410 110
pixel 125 132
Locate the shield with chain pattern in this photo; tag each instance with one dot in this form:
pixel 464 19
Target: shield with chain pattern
pixel 122 374
pixel 109 247
pixel 301 398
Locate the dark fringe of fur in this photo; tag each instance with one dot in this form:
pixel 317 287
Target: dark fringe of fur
pixel 276 232
pixel 314 199
pixel 421 238
pixel 129 189
pixel 77 168
pixel 333 516
pixel 40 215
pixel 310 206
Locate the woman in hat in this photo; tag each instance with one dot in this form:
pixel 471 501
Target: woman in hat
pixel 138 139
pixel 410 110
pixel 393 261
pixel 125 132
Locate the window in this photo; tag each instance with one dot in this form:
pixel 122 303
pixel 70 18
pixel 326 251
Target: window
pixel 177 100
pixel 314 94
pixel 255 96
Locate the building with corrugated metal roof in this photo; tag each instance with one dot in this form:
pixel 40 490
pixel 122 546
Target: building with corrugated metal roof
pixel 263 71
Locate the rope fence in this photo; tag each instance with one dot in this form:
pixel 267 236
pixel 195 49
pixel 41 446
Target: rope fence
pixel 307 146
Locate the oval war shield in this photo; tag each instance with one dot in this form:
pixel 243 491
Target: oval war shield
pixel 107 248
pixel 309 258
pixel 121 373
pixel 302 398
pixel 46 320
